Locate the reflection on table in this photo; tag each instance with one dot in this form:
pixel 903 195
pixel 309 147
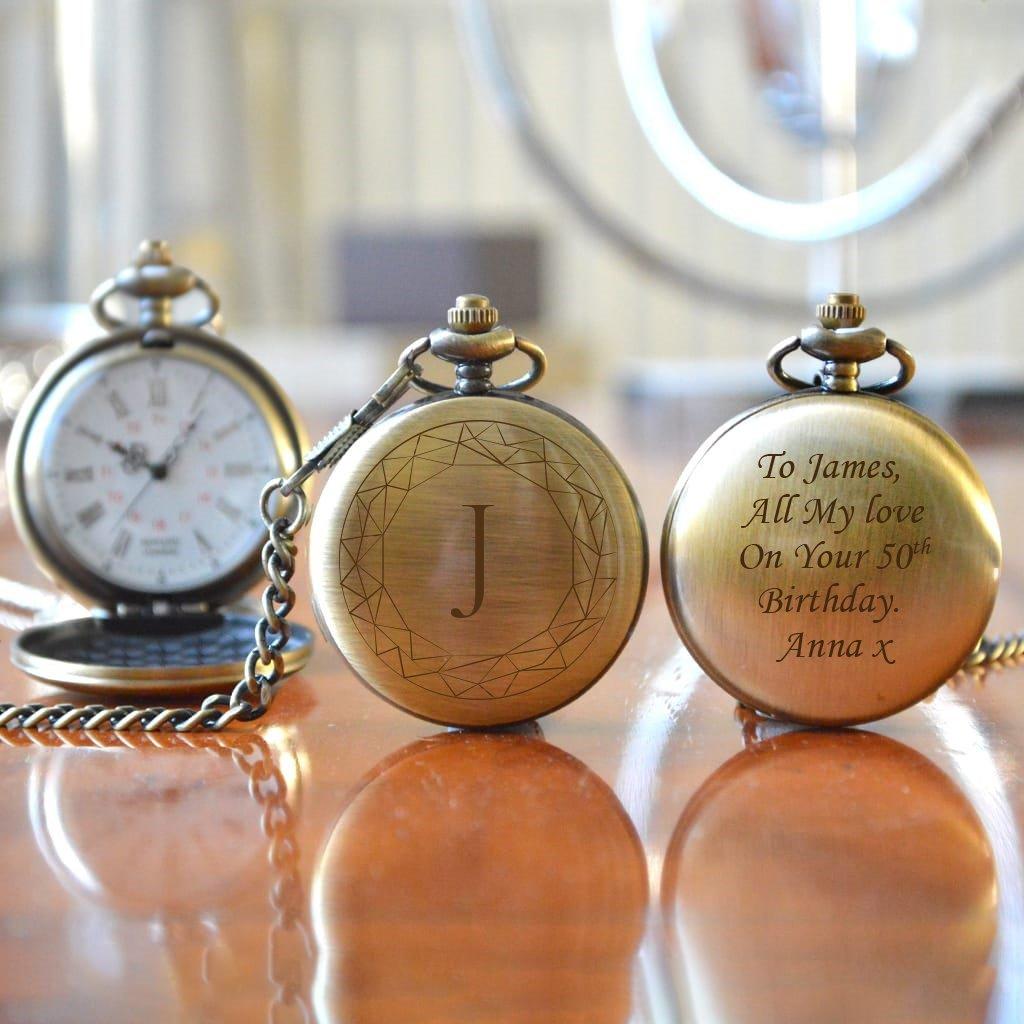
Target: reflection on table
pixel 803 873
pixel 853 876
pixel 209 830
pixel 477 877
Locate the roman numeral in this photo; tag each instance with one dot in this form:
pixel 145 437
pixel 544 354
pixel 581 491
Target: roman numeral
pixel 91 434
pixel 91 514
pixel 207 547
pixel 227 509
pixel 226 430
pixel 237 469
pixel 157 392
pixel 117 404
pixel 78 476
pixel 121 544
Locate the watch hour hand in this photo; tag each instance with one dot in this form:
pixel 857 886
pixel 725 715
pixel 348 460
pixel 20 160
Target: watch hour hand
pixel 135 455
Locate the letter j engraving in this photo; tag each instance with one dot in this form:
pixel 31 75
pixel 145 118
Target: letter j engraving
pixel 478 584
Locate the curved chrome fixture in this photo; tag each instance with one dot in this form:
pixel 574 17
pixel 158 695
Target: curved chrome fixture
pixel 936 163
pixel 490 57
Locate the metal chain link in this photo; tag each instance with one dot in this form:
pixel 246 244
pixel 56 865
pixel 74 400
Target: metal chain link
pixel 995 652
pixel 264 665
pixel 290 946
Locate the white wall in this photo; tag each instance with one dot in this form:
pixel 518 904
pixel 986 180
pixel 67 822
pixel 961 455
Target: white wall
pixel 250 131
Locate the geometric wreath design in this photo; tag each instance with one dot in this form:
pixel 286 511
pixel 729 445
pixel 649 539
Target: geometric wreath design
pixel 535 660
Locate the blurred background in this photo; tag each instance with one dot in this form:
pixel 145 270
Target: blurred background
pixel 656 189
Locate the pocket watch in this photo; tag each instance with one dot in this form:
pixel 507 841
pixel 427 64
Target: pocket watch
pixel 832 557
pixel 479 557
pixel 135 471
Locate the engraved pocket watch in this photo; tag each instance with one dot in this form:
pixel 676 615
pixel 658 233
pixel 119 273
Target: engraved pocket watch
pixel 479 557
pixel 832 557
pixel 135 470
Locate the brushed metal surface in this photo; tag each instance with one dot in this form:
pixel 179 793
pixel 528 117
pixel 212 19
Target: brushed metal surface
pixel 478 618
pixel 823 626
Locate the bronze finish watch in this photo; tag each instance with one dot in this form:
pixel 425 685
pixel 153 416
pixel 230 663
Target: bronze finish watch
pixel 478 557
pixel 136 469
pixel 832 556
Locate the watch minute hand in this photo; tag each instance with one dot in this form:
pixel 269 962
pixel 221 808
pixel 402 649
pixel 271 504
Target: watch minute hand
pixel 159 469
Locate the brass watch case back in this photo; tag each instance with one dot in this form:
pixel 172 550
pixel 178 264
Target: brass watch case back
pixel 830 559
pixel 478 560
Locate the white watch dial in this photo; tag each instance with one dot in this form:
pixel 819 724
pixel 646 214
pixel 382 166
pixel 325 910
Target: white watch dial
pixel 152 469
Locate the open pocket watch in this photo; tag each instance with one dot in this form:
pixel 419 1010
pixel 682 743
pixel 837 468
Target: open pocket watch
pixel 832 557
pixel 135 471
pixel 479 557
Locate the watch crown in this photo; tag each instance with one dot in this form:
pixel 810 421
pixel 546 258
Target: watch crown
pixel 841 309
pixel 156 281
pixel 472 314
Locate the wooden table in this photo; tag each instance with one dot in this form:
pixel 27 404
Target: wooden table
pixel 644 854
